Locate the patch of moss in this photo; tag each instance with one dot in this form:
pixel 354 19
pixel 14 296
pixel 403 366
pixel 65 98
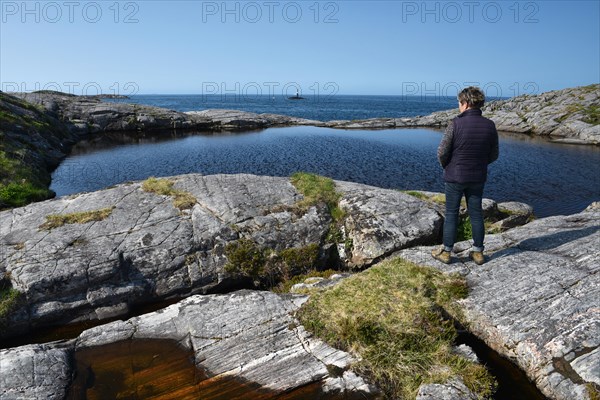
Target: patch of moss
pixel 266 266
pixel 181 199
pixel 593 391
pixel 58 220
pixel 390 317
pixel 245 258
pixel 17 194
pixel 299 260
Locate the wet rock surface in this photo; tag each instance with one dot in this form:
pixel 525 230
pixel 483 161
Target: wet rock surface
pixel 535 300
pixel 147 249
pixel 244 343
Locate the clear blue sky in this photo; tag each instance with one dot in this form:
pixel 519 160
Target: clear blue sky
pixel 349 47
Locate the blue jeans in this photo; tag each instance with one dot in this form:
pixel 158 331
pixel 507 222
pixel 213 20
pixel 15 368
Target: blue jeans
pixel 473 192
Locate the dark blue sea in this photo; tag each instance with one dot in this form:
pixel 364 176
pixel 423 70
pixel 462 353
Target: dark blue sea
pixel 320 108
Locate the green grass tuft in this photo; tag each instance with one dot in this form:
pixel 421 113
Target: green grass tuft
pixel 389 316
pixel 318 189
pixel 464 231
pixel 16 194
pixel 159 186
pixel 58 220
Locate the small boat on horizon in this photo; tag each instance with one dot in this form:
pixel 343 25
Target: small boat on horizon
pixel 296 97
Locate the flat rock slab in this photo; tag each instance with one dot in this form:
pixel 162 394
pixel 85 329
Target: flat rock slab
pixel 244 336
pixel 147 249
pixel 536 299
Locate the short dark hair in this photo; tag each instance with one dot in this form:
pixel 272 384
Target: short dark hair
pixel 473 96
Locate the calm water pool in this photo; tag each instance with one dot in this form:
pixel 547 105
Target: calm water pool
pixel 553 178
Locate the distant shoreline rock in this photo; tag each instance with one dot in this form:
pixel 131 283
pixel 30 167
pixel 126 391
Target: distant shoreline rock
pixel 108 96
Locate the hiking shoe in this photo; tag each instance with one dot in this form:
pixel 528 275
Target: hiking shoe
pixel 477 257
pixel 441 255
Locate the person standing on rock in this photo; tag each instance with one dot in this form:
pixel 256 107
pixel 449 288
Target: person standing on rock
pixel 469 144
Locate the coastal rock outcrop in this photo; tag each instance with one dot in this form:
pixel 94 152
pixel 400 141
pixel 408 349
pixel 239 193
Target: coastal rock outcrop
pixel 96 255
pixel 535 301
pixel 89 114
pixel 569 115
pixel 245 343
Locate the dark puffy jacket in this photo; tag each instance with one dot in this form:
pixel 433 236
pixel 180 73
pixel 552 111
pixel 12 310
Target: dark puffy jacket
pixel 474 146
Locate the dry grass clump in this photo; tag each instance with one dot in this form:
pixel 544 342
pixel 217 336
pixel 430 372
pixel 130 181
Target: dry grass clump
pixel 58 220
pixel 181 199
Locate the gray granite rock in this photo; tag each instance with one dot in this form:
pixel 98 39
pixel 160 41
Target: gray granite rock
pixel 467 352
pixel 147 249
pixel 245 335
pixel 35 372
pixel 376 221
pixel 453 390
pixel 535 300
pixel 512 214
pixel 315 284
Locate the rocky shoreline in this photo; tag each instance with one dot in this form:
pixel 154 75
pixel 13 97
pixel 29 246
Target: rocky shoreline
pixel 568 115
pixel 535 301
pixel 103 253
